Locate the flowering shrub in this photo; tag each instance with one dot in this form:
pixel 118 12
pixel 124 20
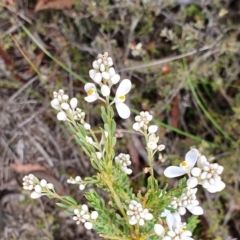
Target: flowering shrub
pixel 153 214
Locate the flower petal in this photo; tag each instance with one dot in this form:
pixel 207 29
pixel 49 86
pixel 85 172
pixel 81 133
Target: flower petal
pixel 191 157
pixel 201 160
pixel 123 110
pixel 105 90
pixel 173 171
pixel 73 103
pixel 159 229
pixel 88 225
pixel 171 220
pixel 61 116
pixel 91 98
pixel 89 86
pixel 55 104
pixel 196 210
pixel 35 195
pixel 192 182
pixel 124 87
pixel 220 186
pixel 115 78
pixel 152 129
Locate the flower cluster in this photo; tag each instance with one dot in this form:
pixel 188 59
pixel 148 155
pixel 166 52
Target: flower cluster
pixel 124 161
pixel 76 180
pixel 187 201
pixel 68 110
pixel 105 76
pixel 137 214
pixel 177 230
pixel 40 188
pixel 142 125
pixel 205 174
pixel 85 217
pixel 142 121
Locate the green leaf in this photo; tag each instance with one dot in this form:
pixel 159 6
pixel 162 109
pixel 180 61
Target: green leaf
pixel 110 109
pixel 82 130
pixel 113 127
pixel 114 141
pixel 106 128
pixel 103 114
pixel 61 205
pixel 70 199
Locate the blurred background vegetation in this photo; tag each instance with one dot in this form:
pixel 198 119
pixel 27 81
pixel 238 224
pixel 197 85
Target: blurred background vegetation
pixel 183 59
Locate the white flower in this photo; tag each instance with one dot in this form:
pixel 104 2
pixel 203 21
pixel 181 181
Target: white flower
pixel 185 166
pixel 84 216
pixel 61 116
pixel 138 215
pixel 89 140
pixel 105 90
pixel 77 180
pixel 142 121
pixel 159 229
pixel 152 141
pixel 29 182
pixel 124 88
pixel 91 91
pixel 87 126
pixel 35 195
pixel 161 147
pixel 177 229
pixel 73 103
pixel 124 161
pixel 56 104
pixel 208 175
pixel 114 78
pixel 187 201
pixel 152 129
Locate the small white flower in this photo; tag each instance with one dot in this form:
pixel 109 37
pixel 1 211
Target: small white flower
pixel 89 140
pixel 124 161
pixel 73 103
pixel 38 189
pixel 159 229
pixel 43 183
pixel 208 175
pixel 61 116
pixel 35 195
pixel 84 216
pixel 142 121
pixel 97 78
pixel 105 90
pixel 187 201
pixel 94 215
pixel 65 106
pixel 77 180
pixel 88 225
pixel 136 127
pixel 29 182
pixel 91 91
pixel 87 126
pixel 152 129
pixel 161 147
pixel 50 186
pixel 185 166
pixel 56 104
pixel 138 215
pixel 177 230
pixel 152 141
pixel 123 89
pixel 81 187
